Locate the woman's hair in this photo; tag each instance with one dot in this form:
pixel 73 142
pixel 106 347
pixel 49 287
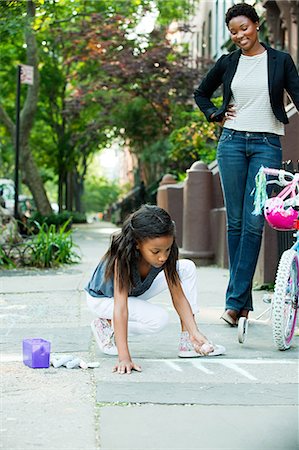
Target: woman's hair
pixel 148 222
pixel 241 9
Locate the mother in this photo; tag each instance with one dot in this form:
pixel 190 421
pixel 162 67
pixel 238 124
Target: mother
pixel 254 78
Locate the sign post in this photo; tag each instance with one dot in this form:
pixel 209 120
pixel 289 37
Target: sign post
pixel 25 76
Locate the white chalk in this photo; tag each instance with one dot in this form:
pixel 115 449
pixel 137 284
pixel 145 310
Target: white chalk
pixel 83 364
pixel 73 363
pixel 61 361
pixel 93 365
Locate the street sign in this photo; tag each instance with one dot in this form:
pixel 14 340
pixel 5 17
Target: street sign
pixel 26 74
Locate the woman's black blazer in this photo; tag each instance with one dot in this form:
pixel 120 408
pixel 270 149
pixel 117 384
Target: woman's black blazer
pixel 282 74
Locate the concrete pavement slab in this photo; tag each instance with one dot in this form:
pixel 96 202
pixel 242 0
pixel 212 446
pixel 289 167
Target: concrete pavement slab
pixel 51 304
pixel 157 427
pixel 174 393
pixel 63 339
pixel 46 408
pixel 203 370
pixel 257 345
pixel 42 283
pixel 41 307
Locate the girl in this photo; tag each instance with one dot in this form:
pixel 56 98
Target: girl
pixel 141 262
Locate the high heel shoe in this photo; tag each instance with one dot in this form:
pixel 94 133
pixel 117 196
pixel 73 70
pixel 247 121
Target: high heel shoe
pixel 230 316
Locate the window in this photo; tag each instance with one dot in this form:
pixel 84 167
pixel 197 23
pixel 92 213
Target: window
pixel 203 39
pixel 210 34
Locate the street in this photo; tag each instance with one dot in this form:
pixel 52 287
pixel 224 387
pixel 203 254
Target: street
pixel 245 399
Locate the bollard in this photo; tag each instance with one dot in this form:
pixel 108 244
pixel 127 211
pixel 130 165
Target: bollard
pixel 198 188
pixel 170 198
pixel 218 219
pixel 162 200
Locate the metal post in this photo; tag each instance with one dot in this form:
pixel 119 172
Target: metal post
pixel 17 140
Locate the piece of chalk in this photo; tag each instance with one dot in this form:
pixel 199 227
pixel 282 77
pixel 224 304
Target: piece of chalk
pixel 73 363
pixel 83 364
pixel 61 361
pixel 93 365
pixel 207 348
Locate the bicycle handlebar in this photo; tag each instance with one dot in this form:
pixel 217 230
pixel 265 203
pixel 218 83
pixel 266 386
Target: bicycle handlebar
pixel 289 181
pixel 282 176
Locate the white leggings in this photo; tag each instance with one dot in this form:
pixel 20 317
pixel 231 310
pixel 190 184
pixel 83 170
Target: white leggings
pixel 144 317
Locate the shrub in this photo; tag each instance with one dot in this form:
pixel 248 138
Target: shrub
pixel 47 248
pixel 51 247
pixel 195 140
pixel 57 219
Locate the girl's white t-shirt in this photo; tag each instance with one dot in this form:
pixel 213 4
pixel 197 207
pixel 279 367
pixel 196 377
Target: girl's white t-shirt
pixel 250 97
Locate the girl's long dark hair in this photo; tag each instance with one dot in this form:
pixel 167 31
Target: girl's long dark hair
pixel 148 222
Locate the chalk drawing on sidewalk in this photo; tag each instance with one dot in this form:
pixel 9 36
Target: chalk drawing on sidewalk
pixel 236 368
pixel 179 365
pixel 173 365
pixel 198 365
pixel 234 365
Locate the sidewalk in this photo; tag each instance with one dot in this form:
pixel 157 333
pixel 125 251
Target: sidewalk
pixel 172 404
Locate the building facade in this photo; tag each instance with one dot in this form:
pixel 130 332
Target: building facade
pixel 208 38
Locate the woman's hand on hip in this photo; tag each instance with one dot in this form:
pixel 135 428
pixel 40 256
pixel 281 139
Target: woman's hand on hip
pixel 230 113
pixel 126 366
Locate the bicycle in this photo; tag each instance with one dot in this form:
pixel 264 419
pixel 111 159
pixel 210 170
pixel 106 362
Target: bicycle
pixel 281 213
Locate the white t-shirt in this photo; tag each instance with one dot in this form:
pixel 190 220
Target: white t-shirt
pixel 251 97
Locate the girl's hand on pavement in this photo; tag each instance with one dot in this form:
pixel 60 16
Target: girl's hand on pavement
pixel 126 366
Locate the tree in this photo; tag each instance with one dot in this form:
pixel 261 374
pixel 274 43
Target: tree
pixel 30 172
pixel 90 74
pixel 195 140
pixel 149 84
pixel 100 193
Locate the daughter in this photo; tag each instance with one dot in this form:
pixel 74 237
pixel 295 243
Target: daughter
pixel 142 261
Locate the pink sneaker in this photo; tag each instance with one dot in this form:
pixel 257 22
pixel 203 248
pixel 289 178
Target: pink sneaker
pixel 186 349
pixel 104 336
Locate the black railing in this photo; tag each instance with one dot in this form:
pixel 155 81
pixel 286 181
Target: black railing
pixel 138 196
pixel 19 253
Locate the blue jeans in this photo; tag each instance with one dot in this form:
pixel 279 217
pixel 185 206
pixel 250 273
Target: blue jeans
pixel 240 155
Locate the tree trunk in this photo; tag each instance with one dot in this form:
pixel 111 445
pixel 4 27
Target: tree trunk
pixel 79 187
pixel 34 182
pixel 28 166
pixel 60 191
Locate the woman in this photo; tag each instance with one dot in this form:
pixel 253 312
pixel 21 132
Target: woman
pixel 254 78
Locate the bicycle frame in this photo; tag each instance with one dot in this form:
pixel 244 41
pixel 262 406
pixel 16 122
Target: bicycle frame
pixel 280 215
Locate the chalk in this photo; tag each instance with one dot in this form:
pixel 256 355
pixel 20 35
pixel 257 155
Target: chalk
pixel 73 363
pixel 61 361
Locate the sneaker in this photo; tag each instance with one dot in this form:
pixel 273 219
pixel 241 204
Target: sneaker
pixel 186 349
pixel 104 336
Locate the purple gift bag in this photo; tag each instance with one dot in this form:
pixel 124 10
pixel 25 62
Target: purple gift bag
pixel 36 353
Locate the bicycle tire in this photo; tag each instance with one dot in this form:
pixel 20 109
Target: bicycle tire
pixel 242 329
pixel 285 300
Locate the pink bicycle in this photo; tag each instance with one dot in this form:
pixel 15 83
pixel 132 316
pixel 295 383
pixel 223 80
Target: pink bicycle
pixel 281 213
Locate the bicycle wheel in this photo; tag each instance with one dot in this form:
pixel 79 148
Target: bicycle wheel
pixel 242 329
pixel 285 300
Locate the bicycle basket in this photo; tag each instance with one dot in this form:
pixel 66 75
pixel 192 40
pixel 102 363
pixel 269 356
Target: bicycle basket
pixel 278 216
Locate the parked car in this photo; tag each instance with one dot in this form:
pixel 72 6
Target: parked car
pixel 7 190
